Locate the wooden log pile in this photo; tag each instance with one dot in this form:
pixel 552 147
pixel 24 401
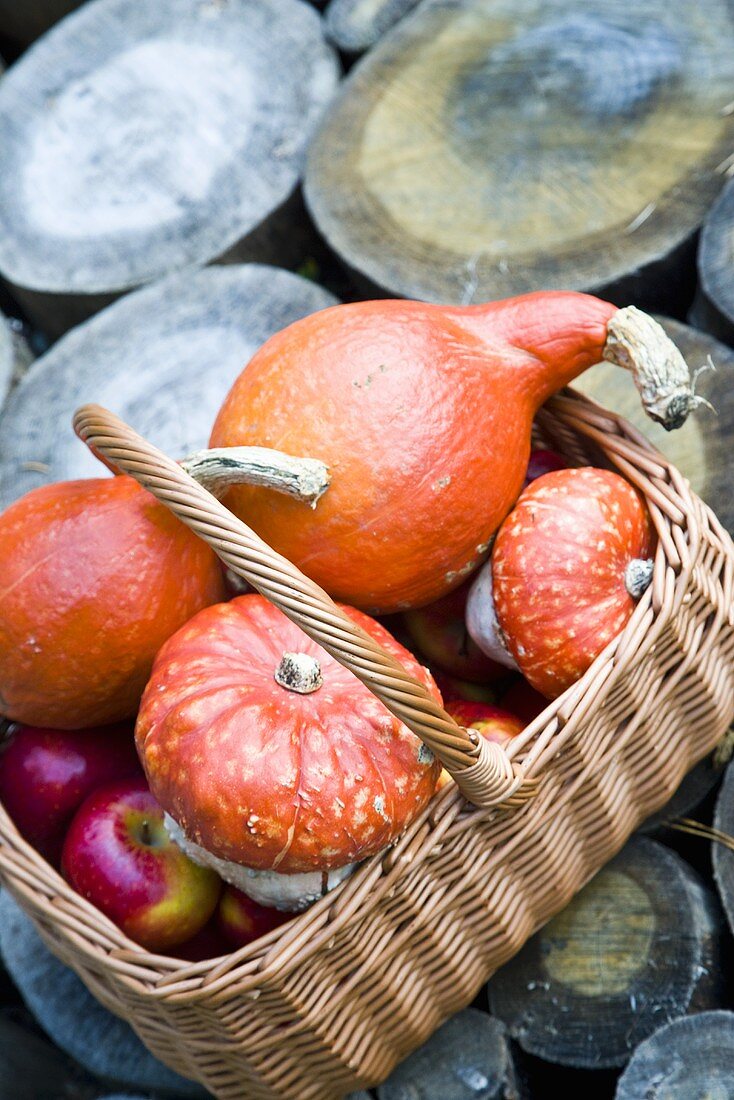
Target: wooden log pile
pixel 163 358
pixel 159 160
pixel 142 139
pixel 638 947
pixel 479 151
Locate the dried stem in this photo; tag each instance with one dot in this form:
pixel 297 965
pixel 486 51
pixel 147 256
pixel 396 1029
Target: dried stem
pixel 219 469
pixel 640 345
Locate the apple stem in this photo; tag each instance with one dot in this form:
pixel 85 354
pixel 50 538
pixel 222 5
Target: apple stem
pixel 145 832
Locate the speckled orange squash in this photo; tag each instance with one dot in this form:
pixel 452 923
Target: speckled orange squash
pixel 423 415
pixel 94 576
pixel 270 770
pixel 568 566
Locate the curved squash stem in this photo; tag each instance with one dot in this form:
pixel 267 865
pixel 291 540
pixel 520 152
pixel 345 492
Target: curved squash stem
pixel 220 468
pixel 640 345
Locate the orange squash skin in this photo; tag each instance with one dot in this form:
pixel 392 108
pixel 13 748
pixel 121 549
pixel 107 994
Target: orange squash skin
pixel 264 776
pixel 94 576
pixel 558 568
pixel 423 415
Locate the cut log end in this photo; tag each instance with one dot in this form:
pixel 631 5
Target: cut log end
pixel 639 945
pixel 715 304
pixel 15 357
pixel 146 357
pixel 141 140
pixel 690 1057
pixel 721 856
pixel 468 1057
pixel 478 151
pixel 355 25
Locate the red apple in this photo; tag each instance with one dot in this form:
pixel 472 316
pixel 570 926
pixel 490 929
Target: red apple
pixel 493 723
pixel 242 920
pixel 208 943
pixel 523 700
pixel 543 462
pixel 45 775
pixel 453 688
pixel 119 856
pixel 439 631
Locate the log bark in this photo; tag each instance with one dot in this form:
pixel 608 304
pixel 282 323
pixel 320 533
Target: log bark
pixel 7 359
pixel 480 151
pixel 638 946
pixel 15 357
pixel 722 857
pixel 163 358
pixel 688 1059
pixel 23 21
pixel 701 449
pixel 355 25
pixel 468 1057
pixel 141 139
pixel 714 305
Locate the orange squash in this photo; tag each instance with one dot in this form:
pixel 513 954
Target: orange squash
pixel 423 414
pixel 569 564
pixel 94 576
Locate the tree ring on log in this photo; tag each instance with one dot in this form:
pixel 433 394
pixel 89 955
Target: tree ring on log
pixel 488 150
pixel 639 945
pixel 139 139
pixel 690 1057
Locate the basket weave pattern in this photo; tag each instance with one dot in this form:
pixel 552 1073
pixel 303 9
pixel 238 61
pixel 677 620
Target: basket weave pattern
pixel 331 1001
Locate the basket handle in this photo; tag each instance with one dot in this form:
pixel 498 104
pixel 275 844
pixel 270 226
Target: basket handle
pixel 483 771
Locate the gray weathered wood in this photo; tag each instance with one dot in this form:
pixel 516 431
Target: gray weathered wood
pixel 100 1042
pixel 139 139
pixel 699 782
pixel 355 25
pixel 26 20
pixel 714 306
pixel 702 448
pixel 15 358
pixel 721 856
pixel 640 945
pixel 483 150
pixel 163 358
pixel 688 1059
pixel 468 1058
pixel 7 359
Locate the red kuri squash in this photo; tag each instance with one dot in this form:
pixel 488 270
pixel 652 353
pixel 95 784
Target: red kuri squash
pixel 423 415
pixel 95 576
pixel 568 566
pixel 275 763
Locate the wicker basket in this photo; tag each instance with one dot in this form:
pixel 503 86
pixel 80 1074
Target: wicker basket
pixel 332 1000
